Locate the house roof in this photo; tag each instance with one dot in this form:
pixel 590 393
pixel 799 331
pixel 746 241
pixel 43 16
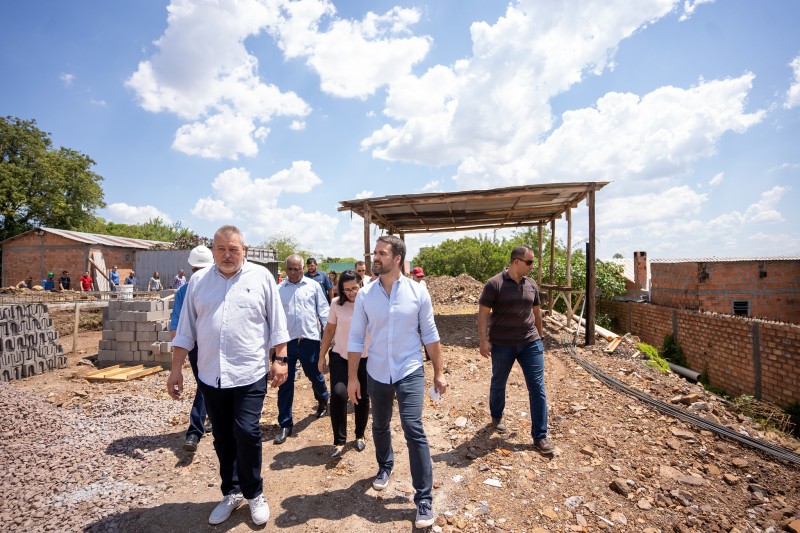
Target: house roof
pixel 94 238
pixel 525 205
pixel 627 267
pixel 726 259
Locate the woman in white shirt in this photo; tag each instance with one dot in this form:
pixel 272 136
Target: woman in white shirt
pixel 155 282
pixel 338 330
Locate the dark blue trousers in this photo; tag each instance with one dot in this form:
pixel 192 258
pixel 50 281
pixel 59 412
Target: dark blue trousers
pixel 307 352
pixel 197 417
pixel 235 414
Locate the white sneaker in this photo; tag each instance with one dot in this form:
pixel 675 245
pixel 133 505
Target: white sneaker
pixel 259 510
pixel 224 508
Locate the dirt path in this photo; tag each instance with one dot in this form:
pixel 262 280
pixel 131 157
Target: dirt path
pixel 666 476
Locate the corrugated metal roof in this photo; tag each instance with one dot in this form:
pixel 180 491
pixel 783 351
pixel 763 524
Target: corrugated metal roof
pixel 726 259
pixel 105 240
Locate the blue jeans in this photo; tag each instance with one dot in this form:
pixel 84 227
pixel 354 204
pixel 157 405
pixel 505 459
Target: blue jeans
pixel 197 417
pixel 410 393
pixel 307 352
pixel 235 417
pixel 531 360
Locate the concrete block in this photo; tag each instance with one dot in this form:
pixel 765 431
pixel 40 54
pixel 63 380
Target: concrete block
pixel 126 336
pixel 163 336
pixel 125 355
pixel 145 326
pixel 129 326
pixel 146 336
pixel 106 355
pixel 109 335
pixel 124 346
pixel 152 316
pixel 163 358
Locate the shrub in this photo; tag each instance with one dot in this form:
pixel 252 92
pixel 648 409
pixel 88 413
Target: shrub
pixel 653 359
pixel 672 351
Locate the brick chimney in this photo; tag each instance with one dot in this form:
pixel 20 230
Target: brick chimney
pixel 640 270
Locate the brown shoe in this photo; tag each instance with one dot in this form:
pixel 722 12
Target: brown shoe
pixel 543 446
pixel 498 425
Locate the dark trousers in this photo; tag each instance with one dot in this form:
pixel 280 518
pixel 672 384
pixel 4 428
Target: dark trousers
pixel 307 352
pixel 338 367
pixel 197 417
pixel 235 415
pixel 410 393
pixel 530 357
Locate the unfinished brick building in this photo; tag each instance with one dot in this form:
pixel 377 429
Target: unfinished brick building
pixel 42 250
pixel 761 287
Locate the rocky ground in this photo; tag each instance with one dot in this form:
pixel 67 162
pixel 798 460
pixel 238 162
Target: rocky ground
pixel 108 457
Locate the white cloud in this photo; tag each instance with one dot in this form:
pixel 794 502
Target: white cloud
pixel 66 78
pixel 793 95
pixel 202 72
pixel 641 208
pixel 765 210
pixel 98 103
pixel 690 5
pixel 253 203
pixel 352 58
pixel 131 214
pixel 432 186
pixel 717 179
pixel 364 194
pixel 297 125
pixel 494 104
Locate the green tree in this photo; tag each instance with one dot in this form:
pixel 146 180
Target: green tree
pixel 285 245
pixel 154 229
pixel 41 185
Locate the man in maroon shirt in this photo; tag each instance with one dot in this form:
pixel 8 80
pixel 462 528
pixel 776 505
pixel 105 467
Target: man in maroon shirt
pixel 510 329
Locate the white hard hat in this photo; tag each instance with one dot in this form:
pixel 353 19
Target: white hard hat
pixel 201 257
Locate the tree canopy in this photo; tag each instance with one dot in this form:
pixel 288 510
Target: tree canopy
pixel 154 229
pixel 285 245
pixel 41 185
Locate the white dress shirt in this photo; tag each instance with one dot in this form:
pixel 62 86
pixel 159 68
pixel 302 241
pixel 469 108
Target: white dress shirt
pixel 305 306
pixel 234 321
pixel 395 323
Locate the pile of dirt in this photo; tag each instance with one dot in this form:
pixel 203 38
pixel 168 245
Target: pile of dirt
pixel 447 290
pixel 88 320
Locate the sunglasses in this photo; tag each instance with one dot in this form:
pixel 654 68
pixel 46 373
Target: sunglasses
pixel 529 262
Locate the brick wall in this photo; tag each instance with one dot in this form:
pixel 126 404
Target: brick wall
pixel 772 288
pixel 741 356
pixel 34 255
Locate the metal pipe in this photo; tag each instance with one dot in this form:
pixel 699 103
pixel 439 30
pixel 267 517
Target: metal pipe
pixel 688 373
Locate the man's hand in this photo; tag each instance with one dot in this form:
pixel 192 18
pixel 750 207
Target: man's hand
pixel 486 348
pixel 439 383
pixel 175 384
pixel 279 373
pixel 353 390
pixel 322 365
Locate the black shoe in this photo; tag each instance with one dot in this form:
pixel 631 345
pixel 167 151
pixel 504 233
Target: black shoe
pixel 322 409
pixel 280 438
pixel 207 426
pixel 191 442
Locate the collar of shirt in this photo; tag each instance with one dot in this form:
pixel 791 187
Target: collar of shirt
pixel 398 323
pixel 233 321
pixel 305 306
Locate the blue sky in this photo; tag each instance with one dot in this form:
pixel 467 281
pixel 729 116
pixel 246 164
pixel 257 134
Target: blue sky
pixel 267 113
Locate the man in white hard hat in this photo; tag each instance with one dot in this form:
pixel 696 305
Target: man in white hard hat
pixel 199 258
pixel 233 314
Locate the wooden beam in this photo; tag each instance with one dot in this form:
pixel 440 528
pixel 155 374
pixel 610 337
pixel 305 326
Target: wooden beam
pixel 539 274
pixel 590 273
pixel 552 263
pixel 569 261
pixel 367 249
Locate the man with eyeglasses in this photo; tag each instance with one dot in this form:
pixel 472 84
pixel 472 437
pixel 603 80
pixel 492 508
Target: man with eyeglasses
pixel 306 310
pixel 361 269
pixel 510 329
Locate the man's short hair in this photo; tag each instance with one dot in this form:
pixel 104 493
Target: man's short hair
pixel 228 230
pixel 397 245
pixel 311 261
pixel 358 263
pixel 519 252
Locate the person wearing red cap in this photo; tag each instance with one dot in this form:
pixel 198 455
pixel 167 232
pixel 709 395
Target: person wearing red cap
pixel 417 274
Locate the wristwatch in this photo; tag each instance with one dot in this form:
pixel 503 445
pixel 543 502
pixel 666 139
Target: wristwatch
pixel 281 359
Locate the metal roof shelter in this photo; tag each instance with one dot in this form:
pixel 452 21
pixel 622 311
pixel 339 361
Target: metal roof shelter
pixel 526 205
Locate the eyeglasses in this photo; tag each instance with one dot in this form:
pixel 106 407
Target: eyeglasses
pixel 354 289
pixel 528 262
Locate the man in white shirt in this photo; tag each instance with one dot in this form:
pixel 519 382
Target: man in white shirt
pixel 232 313
pixel 306 309
pixel 396 312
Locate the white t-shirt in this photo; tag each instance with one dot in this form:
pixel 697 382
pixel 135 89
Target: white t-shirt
pixel 342 315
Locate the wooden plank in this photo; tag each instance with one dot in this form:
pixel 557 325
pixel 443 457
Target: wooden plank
pixel 136 374
pixel 110 372
pixel 101 370
pixel 613 345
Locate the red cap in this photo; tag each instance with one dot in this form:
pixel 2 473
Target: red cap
pixel 417 271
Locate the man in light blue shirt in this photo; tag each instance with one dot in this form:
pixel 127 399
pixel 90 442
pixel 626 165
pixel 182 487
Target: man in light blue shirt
pixel 397 312
pixel 113 278
pixel 306 309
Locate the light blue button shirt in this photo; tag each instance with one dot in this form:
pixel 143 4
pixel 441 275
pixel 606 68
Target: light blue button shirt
pixel 305 306
pixel 234 321
pixel 395 322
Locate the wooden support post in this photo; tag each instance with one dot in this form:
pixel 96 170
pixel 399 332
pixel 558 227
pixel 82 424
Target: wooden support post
pixel 403 263
pixel 550 302
pixel 569 264
pixel 590 272
pixel 75 329
pixel 367 248
pixel 539 274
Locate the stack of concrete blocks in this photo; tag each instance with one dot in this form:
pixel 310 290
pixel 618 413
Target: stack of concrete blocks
pixel 136 332
pixel 28 342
